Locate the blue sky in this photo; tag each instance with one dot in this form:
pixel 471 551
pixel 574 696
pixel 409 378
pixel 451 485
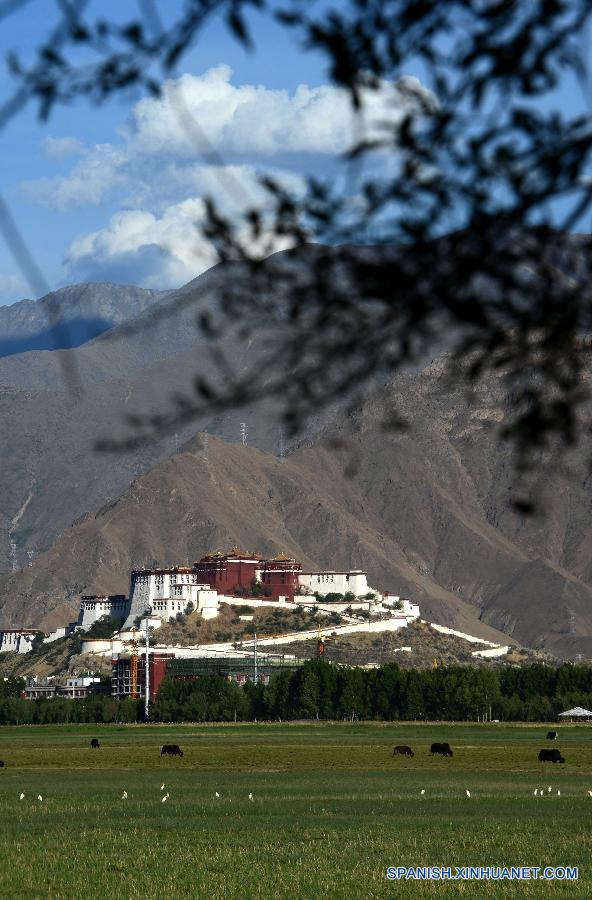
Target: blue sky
pixel 113 193
pixel 34 156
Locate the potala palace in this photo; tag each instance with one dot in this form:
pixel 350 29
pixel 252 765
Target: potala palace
pixel 239 579
pixel 236 578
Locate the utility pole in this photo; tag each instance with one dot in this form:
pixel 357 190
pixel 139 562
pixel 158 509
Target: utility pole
pixel 147 679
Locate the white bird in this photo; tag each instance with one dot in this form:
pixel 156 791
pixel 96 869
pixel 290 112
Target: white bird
pixel 422 792
pixel 22 797
pixel 549 789
pixel 39 797
pixel 124 795
pixel 217 794
pixel 590 793
pixel 468 793
pixel 165 798
pixel 535 792
pixel 162 787
pixel 559 793
pixel 250 796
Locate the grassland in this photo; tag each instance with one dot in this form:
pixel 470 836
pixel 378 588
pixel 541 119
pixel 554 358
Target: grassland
pixel 331 810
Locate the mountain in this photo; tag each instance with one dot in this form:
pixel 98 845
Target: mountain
pixel 51 473
pixel 192 503
pixel 70 316
pixel 423 510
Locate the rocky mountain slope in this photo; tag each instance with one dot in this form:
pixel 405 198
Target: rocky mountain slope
pixel 78 312
pixel 51 474
pixel 424 510
pixel 413 508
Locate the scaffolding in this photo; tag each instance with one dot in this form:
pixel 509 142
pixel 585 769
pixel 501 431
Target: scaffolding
pixel 267 664
pixel 134 666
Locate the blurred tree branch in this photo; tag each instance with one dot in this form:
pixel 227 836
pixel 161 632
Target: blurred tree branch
pixel 457 220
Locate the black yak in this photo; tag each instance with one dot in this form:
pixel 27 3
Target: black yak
pixel 551 756
pixel 443 749
pixel 171 750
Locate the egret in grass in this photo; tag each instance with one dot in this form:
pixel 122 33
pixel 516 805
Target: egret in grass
pixel 22 796
pixel 558 793
pixel 535 791
pixel 165 798
pixel 162 787
pixel 217 794
pixel 468 793
pixel 250 796
pixel 124 795
pixel 590 793
pixel 40 798
pixel 422 792
pixel 549 789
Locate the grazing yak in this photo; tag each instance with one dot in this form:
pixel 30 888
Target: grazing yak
pixel 443 749
pixel 171 750
pixel 551 756
pixel 551 735
pixel 402 750
pixel 95 744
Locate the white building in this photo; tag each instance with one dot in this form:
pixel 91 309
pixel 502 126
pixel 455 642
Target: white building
pixel 169 591
pixel 406 607
pixel 16 640
pixel 353 582
pixel 93 608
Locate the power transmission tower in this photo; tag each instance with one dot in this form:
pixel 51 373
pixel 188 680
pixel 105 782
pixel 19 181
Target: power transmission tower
pixel 572 621
pixel 243 432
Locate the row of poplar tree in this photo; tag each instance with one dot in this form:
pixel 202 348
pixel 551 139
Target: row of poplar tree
pixel 319 690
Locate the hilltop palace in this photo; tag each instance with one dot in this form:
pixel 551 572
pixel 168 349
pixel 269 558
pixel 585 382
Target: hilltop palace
pixel 237 578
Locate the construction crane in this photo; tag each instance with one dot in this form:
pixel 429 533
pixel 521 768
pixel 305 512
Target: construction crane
pixel 133 664
pixel 321 640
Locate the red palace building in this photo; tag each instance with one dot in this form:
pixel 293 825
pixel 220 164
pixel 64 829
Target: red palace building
pixel 281 575
pixel 229 572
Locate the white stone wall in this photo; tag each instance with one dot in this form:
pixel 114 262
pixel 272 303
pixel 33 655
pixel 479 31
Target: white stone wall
pixel 94 608
pixel 355 582
pixel 16 641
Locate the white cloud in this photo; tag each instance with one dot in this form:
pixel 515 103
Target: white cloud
pixel 161 168
pixel 166 250
pixel 62 147
pixel 99 170
pixel 196 115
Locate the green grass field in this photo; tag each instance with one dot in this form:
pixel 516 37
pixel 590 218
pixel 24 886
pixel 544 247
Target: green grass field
pixel 331 810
